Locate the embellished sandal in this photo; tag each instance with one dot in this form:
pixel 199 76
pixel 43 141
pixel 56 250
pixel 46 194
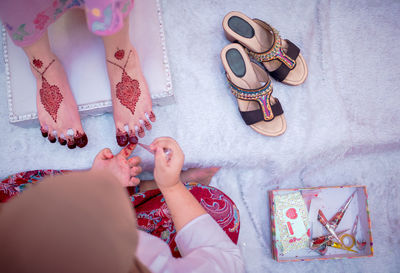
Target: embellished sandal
pixel 281 58
pixel 252 87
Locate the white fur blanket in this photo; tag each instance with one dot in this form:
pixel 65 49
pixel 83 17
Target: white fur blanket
pixel 343 122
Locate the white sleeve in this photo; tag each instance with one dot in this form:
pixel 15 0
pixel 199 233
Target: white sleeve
pixel 204 247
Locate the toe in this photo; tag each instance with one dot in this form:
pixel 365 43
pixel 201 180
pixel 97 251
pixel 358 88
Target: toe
pixel 122 138
pixel 81 139
pixel 132 137
pixel 141 132
pixel 44 131
pixel 147 124
pixel 62 140
pixel 52 135
pixel 152 117
pixel 52 138
pixel 71 142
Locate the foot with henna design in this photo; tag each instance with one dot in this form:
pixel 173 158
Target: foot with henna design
pixel 132 105
pixel 57 110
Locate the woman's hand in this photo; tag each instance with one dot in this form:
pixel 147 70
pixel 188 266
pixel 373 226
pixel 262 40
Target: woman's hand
pixel 120 166
pixel 168 166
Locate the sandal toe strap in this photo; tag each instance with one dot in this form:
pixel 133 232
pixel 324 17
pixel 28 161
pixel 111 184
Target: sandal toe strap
pixel 251 117
pixel 283 70
pixel 261 95
pixel 286 57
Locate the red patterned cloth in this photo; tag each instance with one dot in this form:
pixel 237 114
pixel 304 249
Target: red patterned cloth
pixel 152 212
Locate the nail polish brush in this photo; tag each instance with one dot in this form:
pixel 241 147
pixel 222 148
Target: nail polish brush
pixel 167 152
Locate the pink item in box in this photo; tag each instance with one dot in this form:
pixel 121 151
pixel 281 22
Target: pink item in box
pixel 330 200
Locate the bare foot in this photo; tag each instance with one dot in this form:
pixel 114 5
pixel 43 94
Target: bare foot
pixel 131 99
pixel 57 110
pixel 199 175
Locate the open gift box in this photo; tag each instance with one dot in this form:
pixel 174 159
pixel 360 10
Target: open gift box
pixel 294 223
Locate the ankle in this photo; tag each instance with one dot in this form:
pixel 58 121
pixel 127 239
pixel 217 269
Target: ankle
pixel 40 65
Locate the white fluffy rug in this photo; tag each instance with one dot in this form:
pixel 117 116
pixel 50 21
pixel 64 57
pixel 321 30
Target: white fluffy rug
pixel 343 122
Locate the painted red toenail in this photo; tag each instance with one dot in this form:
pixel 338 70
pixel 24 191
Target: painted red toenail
pixel 62 141
pixel 152 116
pixel 71 144
pixel 133 139
pixel 81 140
pixel 52 138
pixel 44 132
pixel 147 125
pixel 122 140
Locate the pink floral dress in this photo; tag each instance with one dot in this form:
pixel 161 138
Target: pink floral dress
pixel 27 20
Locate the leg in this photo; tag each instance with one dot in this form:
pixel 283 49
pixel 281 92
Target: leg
pixel 129 91
pixel 56 106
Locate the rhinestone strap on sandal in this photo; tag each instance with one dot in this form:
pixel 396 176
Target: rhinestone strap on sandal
pixel 262 95
pixel 252 87
pixel 287 59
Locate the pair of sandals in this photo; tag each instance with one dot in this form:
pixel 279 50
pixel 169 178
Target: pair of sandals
pixel 250 82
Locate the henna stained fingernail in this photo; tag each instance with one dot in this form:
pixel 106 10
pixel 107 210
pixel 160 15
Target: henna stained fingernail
pixel 131 146
pixel 122 138
pixel 52 138
pixel 62 141
pixel 71 144
pixel 141 132
pixel 152 116
pixel 147 125
pixel 81 140
pixel 44 132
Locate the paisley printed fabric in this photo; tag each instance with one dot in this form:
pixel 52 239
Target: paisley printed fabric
pixel 27 20
pixel 152 212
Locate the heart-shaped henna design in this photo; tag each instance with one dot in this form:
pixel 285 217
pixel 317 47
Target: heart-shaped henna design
pixel 128 92
pixel 51 98
pixel 128 89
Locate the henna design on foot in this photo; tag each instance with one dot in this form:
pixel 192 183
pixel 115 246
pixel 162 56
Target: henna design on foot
pixel 127 90
pixel 122 138
pixel 119 54
pixel 50 95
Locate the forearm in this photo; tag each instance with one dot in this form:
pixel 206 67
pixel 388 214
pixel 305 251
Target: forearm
pixel 182 205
